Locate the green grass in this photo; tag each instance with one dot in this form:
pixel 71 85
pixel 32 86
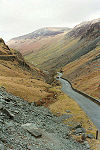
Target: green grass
pixel 50 53
pixel 63 49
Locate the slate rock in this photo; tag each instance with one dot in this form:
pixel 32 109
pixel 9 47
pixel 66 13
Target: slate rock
pixel 32 129
pixel 79 130
pixel 1 105
pixel 29 126
pixel 1 147
pixel 8 113
pixel 31 122
pixel 91 136
pixel 32 147
pixel 86 144
pixel 9 124
pixel 83 130
pixel 64 117
pixel 77 126
pixel 84 136
pixel 7 99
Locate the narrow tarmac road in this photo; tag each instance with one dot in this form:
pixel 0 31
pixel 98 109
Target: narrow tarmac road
pixel 91 109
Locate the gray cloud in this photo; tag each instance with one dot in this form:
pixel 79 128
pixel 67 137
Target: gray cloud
pixel 20 17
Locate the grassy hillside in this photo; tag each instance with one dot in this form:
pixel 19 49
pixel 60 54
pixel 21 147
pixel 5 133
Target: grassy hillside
pixel 84 73
pixel 20 78
pixel 67 46
pixel 35 41
pixel 78 48
pixel 62 49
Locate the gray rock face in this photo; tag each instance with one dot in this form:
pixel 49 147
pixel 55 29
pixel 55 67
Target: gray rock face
pixel 23 126
pixel 91 136
pixel 84 136
pixel 32 147
pixel 87 145
pixel 1 105
pixel 1 147
pixel 8 113
pixel 79 130
pixel 78 125
pixel 32 129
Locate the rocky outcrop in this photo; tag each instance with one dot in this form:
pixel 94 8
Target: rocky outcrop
pixel 8 54
pixel 23 126
pixel 86 29
pixel 42 33
pixel 4 49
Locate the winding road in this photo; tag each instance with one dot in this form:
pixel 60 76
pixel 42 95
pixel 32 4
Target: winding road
pixel 91 108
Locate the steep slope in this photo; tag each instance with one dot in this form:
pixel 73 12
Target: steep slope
pixel 76 43
pixel 89 35
pixel 79 49
pixel 34 127
pixel 33 42
pixel 65 47
pixel 20 78
pixel 29 84
pixel 84 73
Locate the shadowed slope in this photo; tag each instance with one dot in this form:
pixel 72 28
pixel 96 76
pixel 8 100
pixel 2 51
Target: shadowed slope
pixel 20 78
pixel 44 50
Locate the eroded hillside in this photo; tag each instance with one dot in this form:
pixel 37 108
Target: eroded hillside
pixel 84 70
pixel 65 47
pixel 28 82
pixel 20 78
pixel 84 73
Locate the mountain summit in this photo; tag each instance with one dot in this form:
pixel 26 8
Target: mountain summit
pixel 34 41
pixel 42 32
pixel 85 29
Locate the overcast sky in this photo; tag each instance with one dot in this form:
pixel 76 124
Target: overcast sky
pixel 18 17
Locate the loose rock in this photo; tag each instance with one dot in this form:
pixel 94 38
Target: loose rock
pixel 8 113
pixel 23 126
pixel 84 136
pixel 32 129
pixel 91 136
pixel 1 105
pixel 1 147
pixel 79 130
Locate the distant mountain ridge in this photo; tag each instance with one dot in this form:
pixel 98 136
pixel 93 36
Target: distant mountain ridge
pixel 85 29
pixel 33 42
pixel 48 31
pixel 45 51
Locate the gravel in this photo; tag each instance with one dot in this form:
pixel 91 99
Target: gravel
pixel 23 126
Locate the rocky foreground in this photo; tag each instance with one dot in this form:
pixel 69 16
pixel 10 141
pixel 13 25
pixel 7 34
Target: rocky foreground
pixel 23 126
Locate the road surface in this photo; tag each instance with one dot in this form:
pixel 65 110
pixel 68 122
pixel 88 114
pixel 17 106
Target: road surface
pixel 91 108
